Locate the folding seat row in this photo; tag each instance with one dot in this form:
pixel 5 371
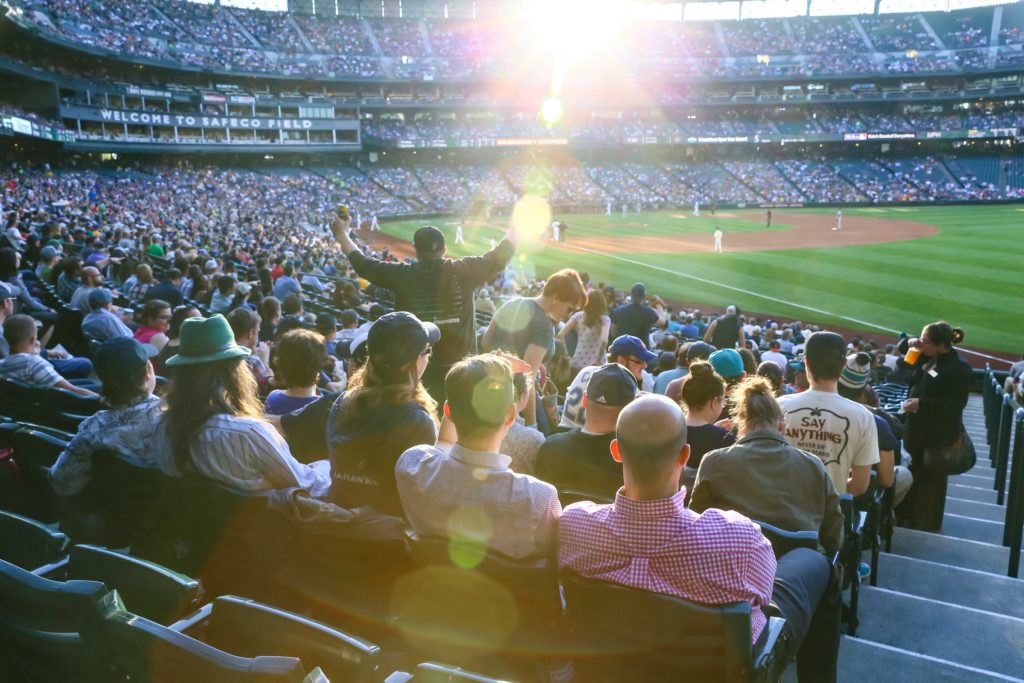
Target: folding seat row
pixel 69 621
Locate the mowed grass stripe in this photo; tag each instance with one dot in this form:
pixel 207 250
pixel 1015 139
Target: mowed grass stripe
pixel 868 271
pixel 967 273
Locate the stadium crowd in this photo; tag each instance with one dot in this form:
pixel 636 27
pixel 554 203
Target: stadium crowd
pixel 284 370
pixel 247 40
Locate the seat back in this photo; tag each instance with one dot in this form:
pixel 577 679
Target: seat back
pixel 783 541
pixel 20 401
pixel 141 502
pixel 35 451
pixel 63 400
pixel 248 628
pixel 623 633
pixel 464 601
pixel 142 650
pixel 43 624
pixel 29 544
pixel 569 496
pixel 152 591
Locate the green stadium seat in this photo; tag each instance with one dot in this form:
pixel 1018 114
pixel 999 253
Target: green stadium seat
pixel 43 627
pixel 30 544
pixel 849 559
pixel 248 628
pixel 626 634
pixel 142 650
pixel 35 451
pixel 467 605
pixel 783 541
pixel 152 591
pixel 569 496
pixel 432 672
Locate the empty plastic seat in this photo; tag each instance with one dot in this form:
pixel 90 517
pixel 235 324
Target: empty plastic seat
pixel 30 544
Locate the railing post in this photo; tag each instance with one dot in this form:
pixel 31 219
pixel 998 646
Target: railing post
pixel 1002 452
pixel 1015 507
pixel 988 390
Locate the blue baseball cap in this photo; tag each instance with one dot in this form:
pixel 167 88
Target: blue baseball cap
pixel 727 362
pixel 628 345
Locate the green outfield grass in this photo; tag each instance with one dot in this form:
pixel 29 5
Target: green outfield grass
pixel 970 273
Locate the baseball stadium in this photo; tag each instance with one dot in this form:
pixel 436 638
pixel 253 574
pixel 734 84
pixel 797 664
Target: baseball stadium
pixel 508 340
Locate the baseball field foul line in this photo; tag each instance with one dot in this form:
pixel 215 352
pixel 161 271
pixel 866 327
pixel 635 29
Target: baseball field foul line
pixel 763 296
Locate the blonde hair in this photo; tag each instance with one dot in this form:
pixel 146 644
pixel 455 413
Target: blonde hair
pixel 375 386
pixel 753 405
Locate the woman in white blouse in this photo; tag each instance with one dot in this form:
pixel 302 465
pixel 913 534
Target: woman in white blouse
pixel 592 326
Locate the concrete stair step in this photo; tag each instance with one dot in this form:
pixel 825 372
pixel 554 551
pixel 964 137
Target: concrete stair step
pixel 944 582
pixel 985 557
pixel 865 660
pixel 973 638
pixel 959 526
pixel 973 508
pixel 976 477
pixel 985 494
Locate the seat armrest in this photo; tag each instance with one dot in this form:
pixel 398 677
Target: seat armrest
pixel 193 622
pixel 770 661
pixel 399 677
pixel 54 571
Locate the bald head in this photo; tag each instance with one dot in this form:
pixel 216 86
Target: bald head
pixel 651 433
pixel 91 275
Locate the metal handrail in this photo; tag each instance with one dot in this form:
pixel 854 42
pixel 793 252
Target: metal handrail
pixel 1004 421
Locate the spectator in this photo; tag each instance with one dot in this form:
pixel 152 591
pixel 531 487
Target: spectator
pixel 770 371
pixel 627 351
pixel 287 284
pixel 270 316
pixel 680 370
pixel 521 443
pixel 468 492
pixel 695 351
pixel 178 316
pixel 580 460
pixel 245 327
pixel 853 384
pixel 156 320
pixel 703 396
pixel 127 427
pixel 647 539
pixel 938 394
pixel 523 325
pixel 774 355
pixel 213 420
pixel 434 288
pixel 6 311
pixel 766 479
pixel 385 412
pixel 49 257
pixel 10 261
pixel 728 363
pixel 91 279
pixel 222 299
pixel 592 326
pixel 169 289
pixel 726 332
pixel 70 278
pixel 101 323
pixel 23 362
pixel 840 432
pixel 143 282
pixel 298 358
pixel 636 318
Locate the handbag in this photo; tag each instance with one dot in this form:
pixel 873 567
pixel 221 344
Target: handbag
pixel 956 458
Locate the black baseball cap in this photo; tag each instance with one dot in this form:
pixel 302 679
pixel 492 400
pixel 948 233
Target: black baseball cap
pixel 121 355
pixel 399 337
pixel 699 351
pixel 612 385
pixel 325 324
pixel 429 241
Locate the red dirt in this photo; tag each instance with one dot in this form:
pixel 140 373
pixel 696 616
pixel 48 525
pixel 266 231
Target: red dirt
pixel 810 231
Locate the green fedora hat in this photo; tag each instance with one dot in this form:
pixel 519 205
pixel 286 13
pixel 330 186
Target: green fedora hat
pixel 205 340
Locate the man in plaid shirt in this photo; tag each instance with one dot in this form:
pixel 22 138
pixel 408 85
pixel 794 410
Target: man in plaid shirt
pixel 648 539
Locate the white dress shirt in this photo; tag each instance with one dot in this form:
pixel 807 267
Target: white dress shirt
pixel 472 495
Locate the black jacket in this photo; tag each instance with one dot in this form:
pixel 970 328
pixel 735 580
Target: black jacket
pixel 943 396
pixel 439 291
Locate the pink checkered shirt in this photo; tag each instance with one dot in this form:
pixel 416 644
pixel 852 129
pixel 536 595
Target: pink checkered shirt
pixel 659 545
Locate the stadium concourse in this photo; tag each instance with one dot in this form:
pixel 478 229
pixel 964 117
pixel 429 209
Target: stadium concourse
pixel 245 432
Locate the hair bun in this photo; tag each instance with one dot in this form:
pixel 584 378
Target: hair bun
pixel 701 369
